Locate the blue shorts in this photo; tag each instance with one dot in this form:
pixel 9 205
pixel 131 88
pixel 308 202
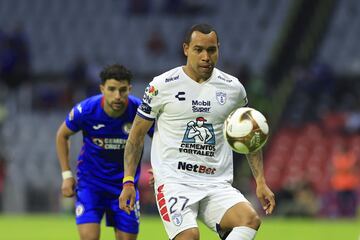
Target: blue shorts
pixel 91 205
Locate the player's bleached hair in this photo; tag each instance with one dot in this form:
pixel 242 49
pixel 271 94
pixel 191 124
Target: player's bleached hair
pixel 117 72
pixel 203 28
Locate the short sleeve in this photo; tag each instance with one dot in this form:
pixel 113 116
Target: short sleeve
pixel 151 102
pixel 74 118
pixel 243 100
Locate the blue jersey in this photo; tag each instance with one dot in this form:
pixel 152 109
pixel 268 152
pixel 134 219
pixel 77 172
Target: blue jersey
pixel 101 160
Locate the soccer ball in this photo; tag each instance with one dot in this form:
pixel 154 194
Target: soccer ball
pixel 246 130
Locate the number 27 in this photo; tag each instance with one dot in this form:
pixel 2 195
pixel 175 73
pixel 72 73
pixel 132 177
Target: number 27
pixel 174 200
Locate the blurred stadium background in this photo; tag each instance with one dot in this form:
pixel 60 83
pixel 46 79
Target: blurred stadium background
pixel 299 61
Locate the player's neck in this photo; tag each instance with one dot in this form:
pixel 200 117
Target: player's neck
pixel 112 113
pixel 191 74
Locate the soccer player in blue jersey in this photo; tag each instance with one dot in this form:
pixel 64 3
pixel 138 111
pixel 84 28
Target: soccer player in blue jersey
pixel 105 121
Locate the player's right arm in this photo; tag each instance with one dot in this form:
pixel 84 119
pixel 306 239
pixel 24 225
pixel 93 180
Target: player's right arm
pixel 63 148
pixel 133 150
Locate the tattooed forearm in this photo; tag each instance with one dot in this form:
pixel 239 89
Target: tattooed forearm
pixel 256 165
pixel 132 156
pixel 134 145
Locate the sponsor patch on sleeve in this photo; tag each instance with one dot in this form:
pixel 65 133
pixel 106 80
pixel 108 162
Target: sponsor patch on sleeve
pixel 144 107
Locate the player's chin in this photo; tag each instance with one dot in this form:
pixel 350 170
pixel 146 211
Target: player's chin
pixel 206 71
pixel 117 106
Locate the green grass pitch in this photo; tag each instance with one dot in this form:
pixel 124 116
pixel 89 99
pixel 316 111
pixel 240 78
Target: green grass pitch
pixel 60 227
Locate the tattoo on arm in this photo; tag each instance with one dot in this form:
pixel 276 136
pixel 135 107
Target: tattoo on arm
pixel 132 155
pixel 256 164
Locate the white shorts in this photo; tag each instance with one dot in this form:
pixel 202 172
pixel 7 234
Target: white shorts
pixel 179 205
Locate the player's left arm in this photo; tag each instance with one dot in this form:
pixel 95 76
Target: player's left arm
pixel 263 192
pixel 133 150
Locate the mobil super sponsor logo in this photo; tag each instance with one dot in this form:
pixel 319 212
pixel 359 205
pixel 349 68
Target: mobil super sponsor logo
pixel 199 138
pixel 201 106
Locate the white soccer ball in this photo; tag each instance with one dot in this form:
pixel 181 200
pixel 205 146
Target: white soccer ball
pixel 246 130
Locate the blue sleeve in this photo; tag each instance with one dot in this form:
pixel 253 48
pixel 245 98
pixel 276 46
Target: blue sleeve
pixel 74 119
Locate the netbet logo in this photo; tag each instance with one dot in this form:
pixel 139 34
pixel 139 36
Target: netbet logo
pixel 196 168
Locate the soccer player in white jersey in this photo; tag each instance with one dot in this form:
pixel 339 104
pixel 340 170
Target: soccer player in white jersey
pixel 191 161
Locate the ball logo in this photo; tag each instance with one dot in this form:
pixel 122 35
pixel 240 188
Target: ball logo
pixel 79 210
pixel 246 130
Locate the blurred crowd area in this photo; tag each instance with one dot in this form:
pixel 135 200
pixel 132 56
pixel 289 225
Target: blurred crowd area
pixel 51 53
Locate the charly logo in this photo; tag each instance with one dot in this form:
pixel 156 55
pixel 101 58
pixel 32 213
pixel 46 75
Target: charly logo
pixel 79 210
pixel 177 219
pixel 221 97
pixel 180 96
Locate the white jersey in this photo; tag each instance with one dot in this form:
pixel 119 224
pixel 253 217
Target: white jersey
pixel 188 144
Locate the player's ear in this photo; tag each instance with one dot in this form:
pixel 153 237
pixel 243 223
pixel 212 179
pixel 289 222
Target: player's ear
pixel 101 87
pixel 186 49
pixel 130 88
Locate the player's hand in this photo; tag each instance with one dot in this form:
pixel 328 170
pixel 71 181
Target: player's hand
pixel 127 198
pixel 266 198
pixel 68 187
pixel 151 178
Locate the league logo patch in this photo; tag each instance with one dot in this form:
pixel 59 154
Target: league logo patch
pixel 150 92
pixel 221 97
pixel 177 219
pixel 79 210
